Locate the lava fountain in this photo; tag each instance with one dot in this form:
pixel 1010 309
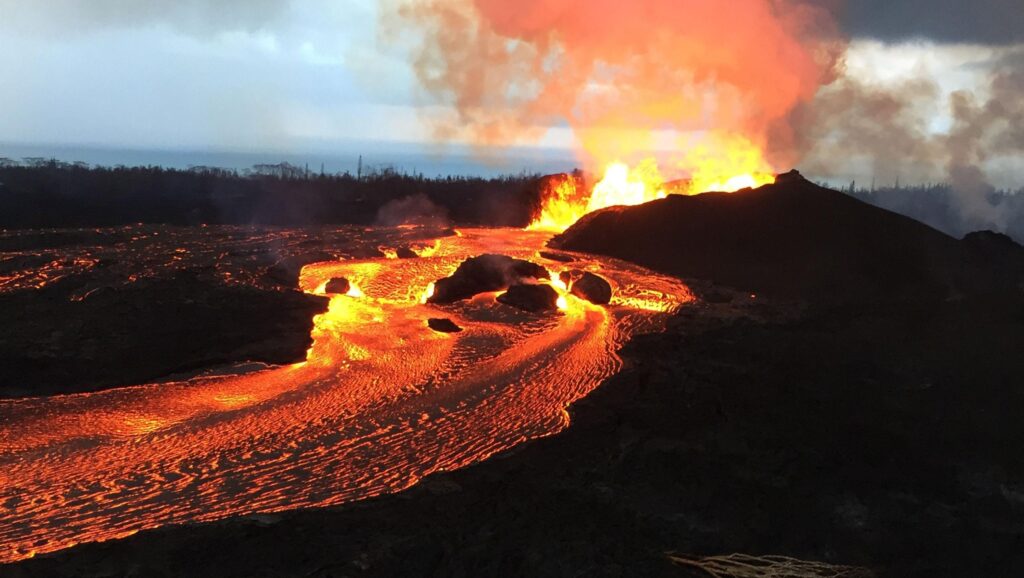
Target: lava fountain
pixel 706 94
pixel 729 165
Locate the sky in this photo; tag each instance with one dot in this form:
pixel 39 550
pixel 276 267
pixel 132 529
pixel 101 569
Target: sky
pixel 314 76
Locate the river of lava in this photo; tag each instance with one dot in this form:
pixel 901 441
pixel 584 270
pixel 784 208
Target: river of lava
pixel 381 402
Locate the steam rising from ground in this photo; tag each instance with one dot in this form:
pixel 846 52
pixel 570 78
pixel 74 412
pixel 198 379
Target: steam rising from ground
pixel 412 210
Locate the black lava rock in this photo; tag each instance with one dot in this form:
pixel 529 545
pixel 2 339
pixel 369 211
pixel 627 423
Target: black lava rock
pixel 560 257
pixel 337 286
pixel 533 298
pixel 794 240
pixel 593 288
pixel 443 325
pixel 569 276
pixel 482 274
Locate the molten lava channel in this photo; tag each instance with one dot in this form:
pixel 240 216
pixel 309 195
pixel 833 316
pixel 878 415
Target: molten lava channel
pixel 380 402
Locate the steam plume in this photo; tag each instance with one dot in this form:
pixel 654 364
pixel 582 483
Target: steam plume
pixel 993 127
pixel 890 127
pixel 886 127
pixel 415 209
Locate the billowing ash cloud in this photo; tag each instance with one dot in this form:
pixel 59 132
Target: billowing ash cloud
pixel 617 72
pixel 974 21
pixel 190 16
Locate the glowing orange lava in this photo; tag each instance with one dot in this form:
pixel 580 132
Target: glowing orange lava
pixel 720 163
pixel 563 205
pixel 380 402
pixel 725 163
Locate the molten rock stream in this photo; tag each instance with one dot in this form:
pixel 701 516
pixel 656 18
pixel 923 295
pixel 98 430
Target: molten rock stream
pixel 381 401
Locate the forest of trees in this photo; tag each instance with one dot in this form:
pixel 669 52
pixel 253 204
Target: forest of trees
pixel 44 193
pixel 951 211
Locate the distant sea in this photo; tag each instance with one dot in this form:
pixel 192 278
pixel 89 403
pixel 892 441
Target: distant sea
pixel 404 157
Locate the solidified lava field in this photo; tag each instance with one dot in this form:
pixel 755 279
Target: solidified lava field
pixel 380 402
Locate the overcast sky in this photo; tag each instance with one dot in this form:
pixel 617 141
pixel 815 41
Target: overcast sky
pixel 309 75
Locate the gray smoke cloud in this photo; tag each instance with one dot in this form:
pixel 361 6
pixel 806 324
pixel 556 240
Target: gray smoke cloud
pixel 885 129
pixel 890 129
pixel 984 128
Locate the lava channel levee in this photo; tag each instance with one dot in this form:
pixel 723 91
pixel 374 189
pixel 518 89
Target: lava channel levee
pixel 381 401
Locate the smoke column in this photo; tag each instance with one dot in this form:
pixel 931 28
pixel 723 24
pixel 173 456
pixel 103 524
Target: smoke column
pixel 625 76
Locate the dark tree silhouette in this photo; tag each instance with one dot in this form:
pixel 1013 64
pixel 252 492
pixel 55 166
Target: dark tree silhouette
pixel 44 193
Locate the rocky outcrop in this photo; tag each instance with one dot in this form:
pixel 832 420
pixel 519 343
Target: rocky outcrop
pixel 587 285
pixel 593 288
pixel 405 253
pixel 532 298
pixel 337 286
pixel 443 325
pixel 488 272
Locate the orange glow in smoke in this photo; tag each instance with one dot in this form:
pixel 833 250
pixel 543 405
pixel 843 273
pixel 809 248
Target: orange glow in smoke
pixel 703 86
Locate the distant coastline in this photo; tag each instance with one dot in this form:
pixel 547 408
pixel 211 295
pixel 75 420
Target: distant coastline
pixel 411 158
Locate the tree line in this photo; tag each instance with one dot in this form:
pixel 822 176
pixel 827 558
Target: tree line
pixel 46 193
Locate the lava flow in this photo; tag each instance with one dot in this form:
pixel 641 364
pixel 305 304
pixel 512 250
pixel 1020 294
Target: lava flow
pixel 380 402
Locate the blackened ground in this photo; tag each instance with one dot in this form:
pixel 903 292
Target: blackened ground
pixel 146 330
pixel 879 436
pixel 86 309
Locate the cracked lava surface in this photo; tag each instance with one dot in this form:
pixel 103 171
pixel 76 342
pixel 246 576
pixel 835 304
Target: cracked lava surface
pixel 380 402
